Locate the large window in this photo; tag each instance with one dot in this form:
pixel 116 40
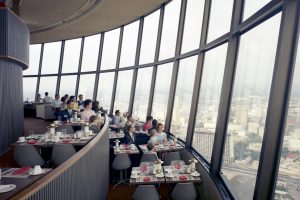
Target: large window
pixel 192 25
pixel 129 42
pixel 220 18
pixel 142 93
pixel 34 60
pixel 123 91
pixel 48 84
pixel 86 85
pixel 29 87
pixel 251 6
pixel 161 92
pixel 169 32
pixel 249 106
pixel 71 56
pixel 67 85
pixel 90 53
pixel 208 102
pixel 51 57
pixel 105 88
pixel 110 49
pixel 288 181
pixel 183 97
pixel 149 38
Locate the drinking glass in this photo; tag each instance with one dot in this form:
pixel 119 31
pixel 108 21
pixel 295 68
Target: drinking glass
pixel 64 133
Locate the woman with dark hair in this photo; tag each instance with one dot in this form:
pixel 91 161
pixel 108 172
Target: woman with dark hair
pixel 96 108
pixel 88 112
pixel 64 103
pixel 148 124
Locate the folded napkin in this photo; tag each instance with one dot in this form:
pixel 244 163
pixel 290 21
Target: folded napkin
pixel 182 178
pixel 22 170
pixel 66 141
pixel 32 142
pixel 147 178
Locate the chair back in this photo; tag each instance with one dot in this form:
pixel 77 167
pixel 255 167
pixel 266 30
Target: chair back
pixel 69 128
pixel 169 157
pixel 121 162
pixel 141 138
pixel 149 157
pixel 146 192
pixel 184 191
pixel 27 155
pixel 62 152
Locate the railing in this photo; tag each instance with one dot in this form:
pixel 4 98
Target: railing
pixel 83 176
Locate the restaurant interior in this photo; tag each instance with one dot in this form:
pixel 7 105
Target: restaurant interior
pixel 150 99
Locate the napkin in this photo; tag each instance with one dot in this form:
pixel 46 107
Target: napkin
pixel 147 178
pixel 22 170
pixel 32 142
pixel 182 178
pixel 66 141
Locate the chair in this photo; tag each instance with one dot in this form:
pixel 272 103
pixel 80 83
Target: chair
pixel 146 192
pixel 121 163
pixel 184 191
pixel 149 157
pixel 69 128
pixel 169 157
pixel 27 155
pixel 62 152
pixel 141 138
pixel 174 162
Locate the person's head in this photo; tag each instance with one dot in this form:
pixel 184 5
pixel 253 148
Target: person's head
pixel 39 95
pixel 149 119
pixel 57 96
pixel 46 94
pixel 67 96
pixel 125 114
pixel 130 128
pixel 88 104
pixel 72 98
pixel 130 118
pixel 95 104
pixel 159 127
pixel 70 104
pixel 152 132
pixel 154 123
pixel 94 119
pixel 80 97
pixel 63 99
pixel 150 146
pixel 117 113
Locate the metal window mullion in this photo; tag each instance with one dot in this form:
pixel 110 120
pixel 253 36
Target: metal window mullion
pixel 156 56
pixel 278 101
pixel 198 76
pixel 39 71
pixel 79 66
pixel 60 67
pixel 226 93
pixel 175 66
pixel 98 66
pixel 136 62
pixel 113 96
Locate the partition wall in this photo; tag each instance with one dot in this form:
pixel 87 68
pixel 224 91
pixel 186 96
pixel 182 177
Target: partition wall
pixel 221 75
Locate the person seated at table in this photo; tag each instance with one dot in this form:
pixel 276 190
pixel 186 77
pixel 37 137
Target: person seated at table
pixel 68 113
pixel 117 119
pixel 153 137
pixel 88 112
pixel 95 123
pixel 160 134
pixel 129 137
pixel 67 97
pixel 80 102
pixel 130 121
pixel 47 99
pixel 63 104
pixel 73 98
pixel 148 124
pixel 150 147
pixel 56 103
pixel 96 107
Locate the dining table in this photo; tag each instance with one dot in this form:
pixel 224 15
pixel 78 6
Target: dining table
pixel 169 146
pixel 144 175
pixel 181 174
pixel 129 149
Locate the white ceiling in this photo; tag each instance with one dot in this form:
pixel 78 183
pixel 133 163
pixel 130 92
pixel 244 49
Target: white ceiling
pixel 53 20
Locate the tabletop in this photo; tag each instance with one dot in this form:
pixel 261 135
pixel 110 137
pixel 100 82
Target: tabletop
pixel 146 176
pixel 126 149
pixel 163 147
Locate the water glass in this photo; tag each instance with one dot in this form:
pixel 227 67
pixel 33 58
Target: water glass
pixel 64 133
pixel 59 118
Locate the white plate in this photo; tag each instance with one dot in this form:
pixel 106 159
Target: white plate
pixel 169 175
pixel 35 174
pixel 195 174
pixel 161 175
pixel 21 142
pixel 134 177
pixel 7 188
pixel 85 138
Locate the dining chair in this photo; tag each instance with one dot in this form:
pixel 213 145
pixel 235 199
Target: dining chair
pixel 169 157
pixel 174 162
pixel 184 191
pixel 149 157
pixel 146 192
pixel 27 155
pixel 62 152
pixel 121 163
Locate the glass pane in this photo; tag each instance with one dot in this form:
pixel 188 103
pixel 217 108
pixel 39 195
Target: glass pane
pixel 192 25
pixel 288 182
pixel 51 58
pixel 86 85
pixel 105 88
pixel 249 106
pixel 90 53
pixel 29 87
pixel 208 103
pixel 142 92
pixel 219 24
pixel 34 60
pixel 129 42
pixel 71 56
pixel 149 38
pixel 251 6
pixel 48 84
pixel 123 91
pixel 161 92
pixel 169 31
pixel 110 49
pixel 67 85
pixel 183 97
